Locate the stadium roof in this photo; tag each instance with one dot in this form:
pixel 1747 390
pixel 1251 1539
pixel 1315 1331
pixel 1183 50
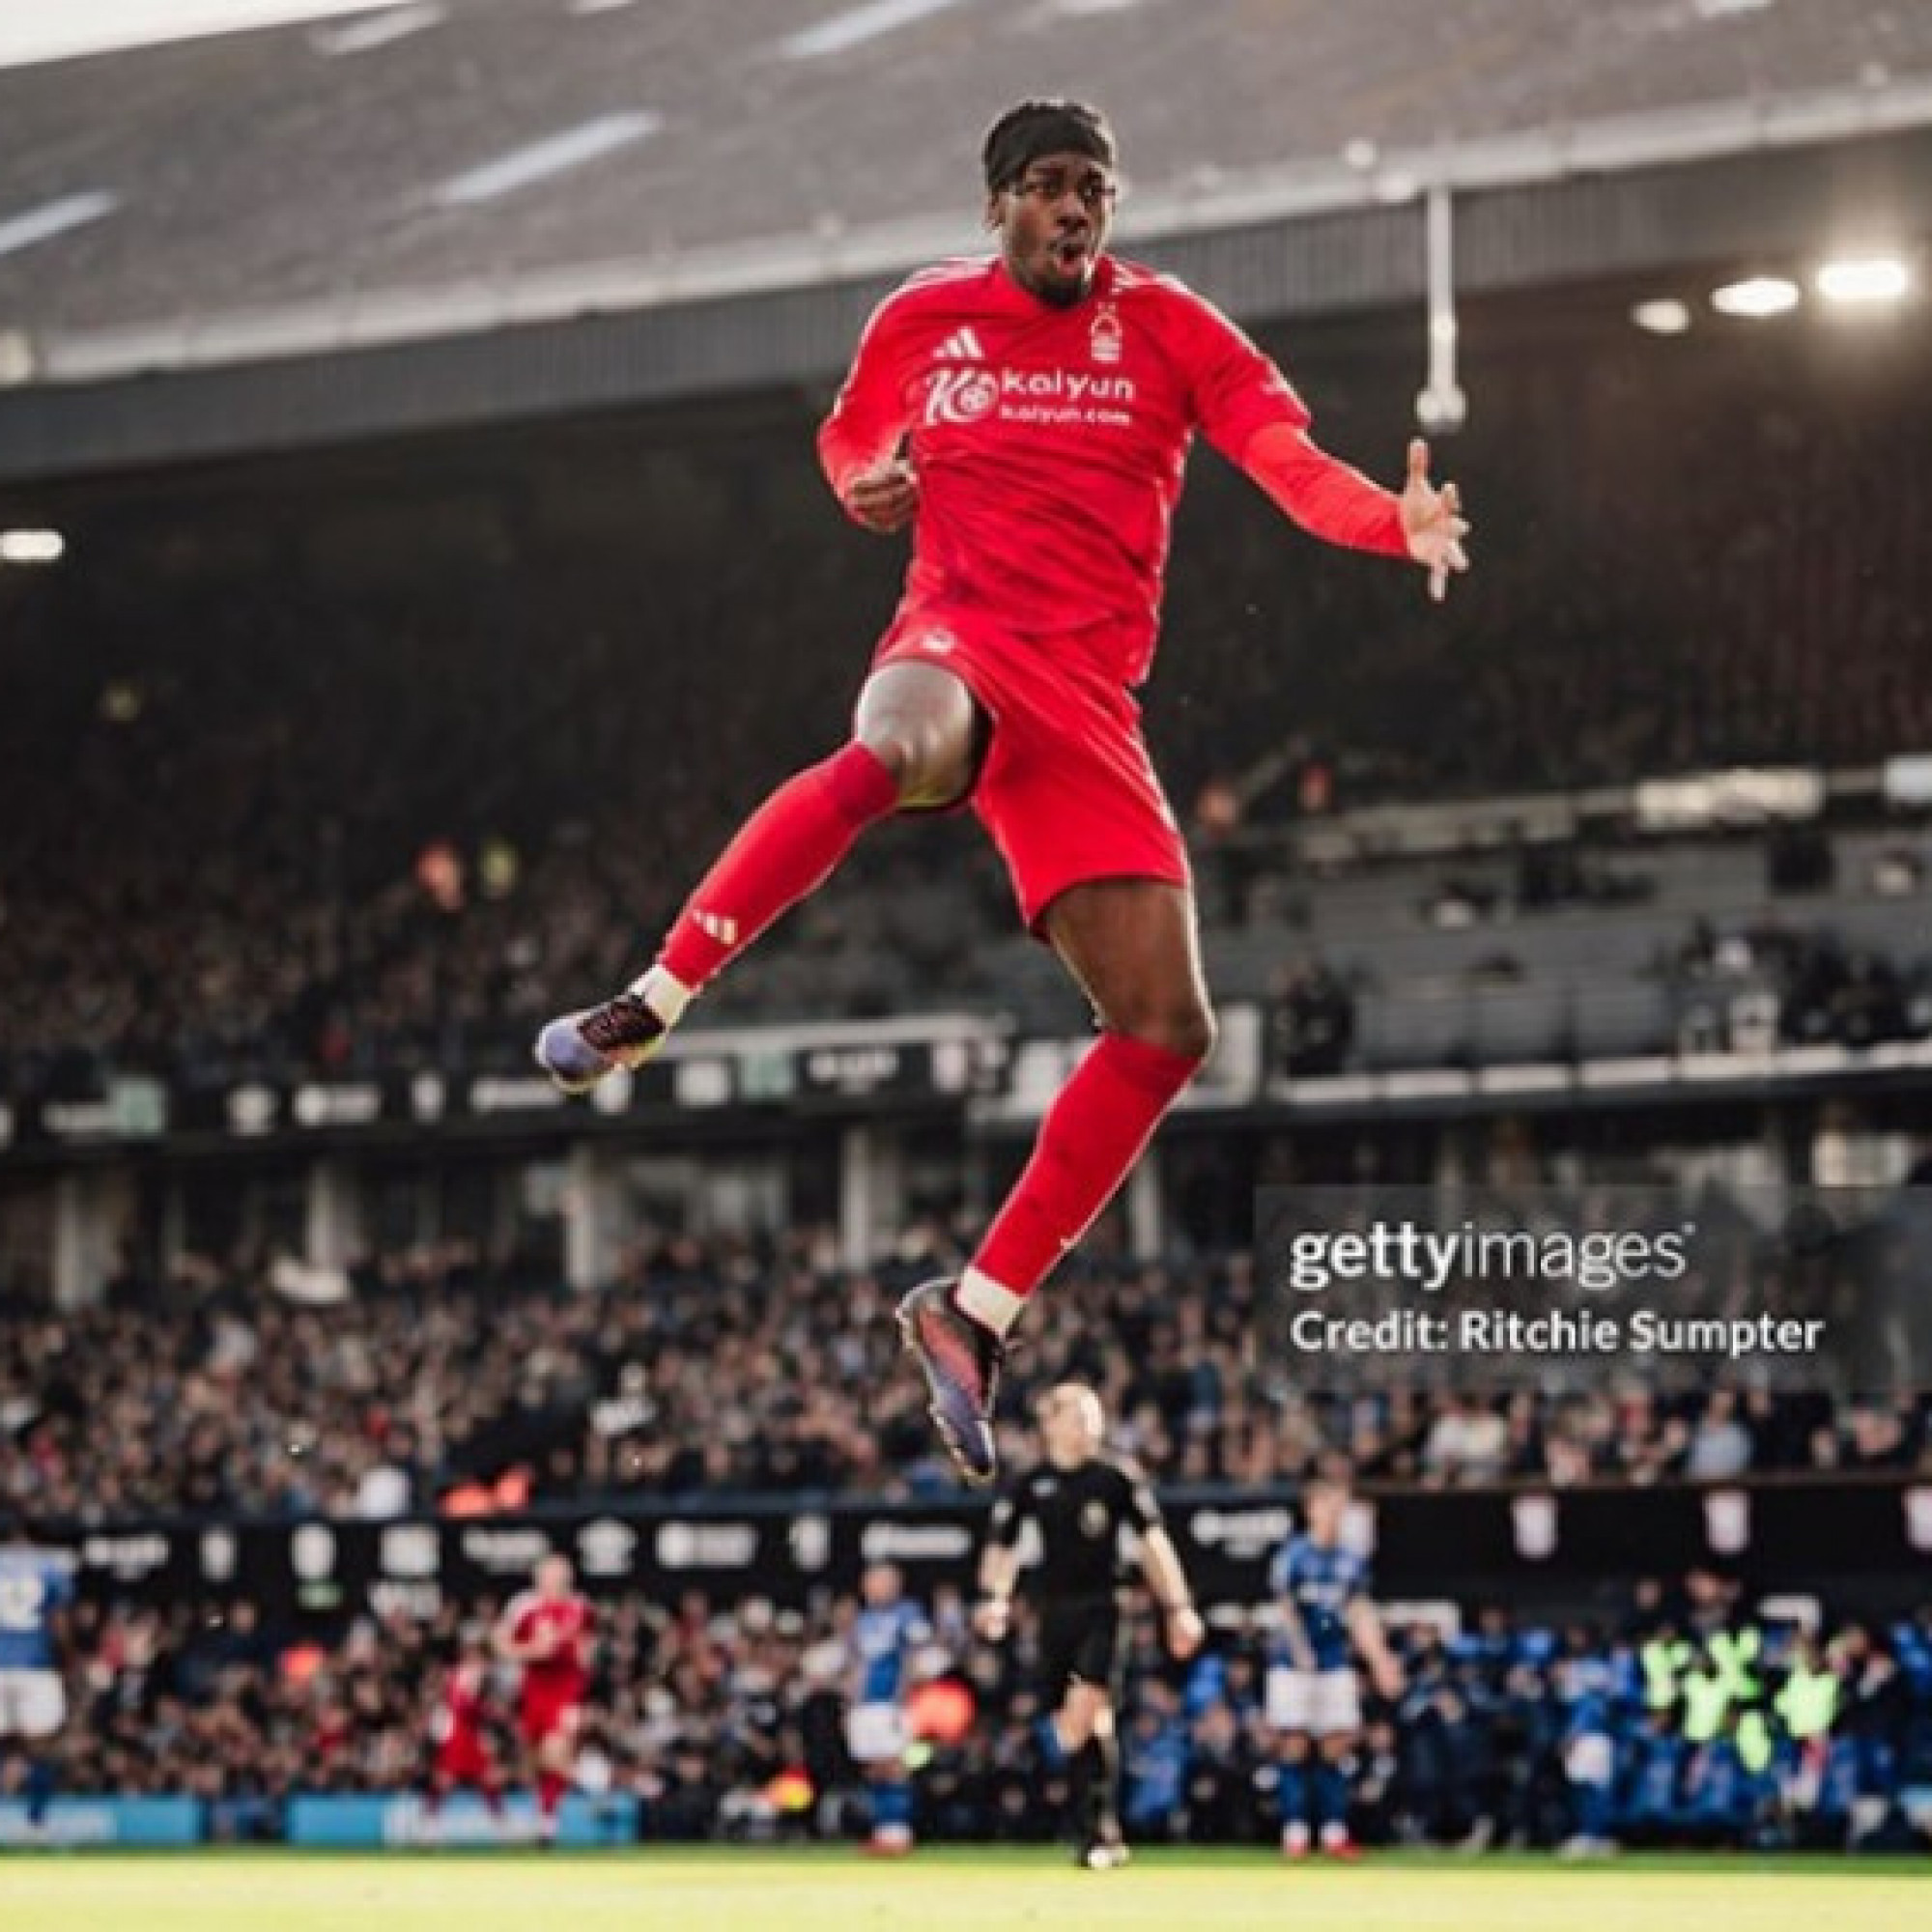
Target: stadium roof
pixel 431 166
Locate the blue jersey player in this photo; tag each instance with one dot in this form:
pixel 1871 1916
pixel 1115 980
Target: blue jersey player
pixel 35 1587
pixel 1321 1588
pixel 887 1629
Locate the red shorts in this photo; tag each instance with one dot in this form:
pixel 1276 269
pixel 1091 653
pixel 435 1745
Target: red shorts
pixel 464 1758
pixel 1067 792
pixel 542 1712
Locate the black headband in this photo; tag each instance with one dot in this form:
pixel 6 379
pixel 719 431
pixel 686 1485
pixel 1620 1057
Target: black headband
pixel 1036 128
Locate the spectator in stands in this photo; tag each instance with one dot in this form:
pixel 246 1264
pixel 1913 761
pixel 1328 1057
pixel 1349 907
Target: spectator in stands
pixel 1469 1442
pixel 1313 1020
pixel 1720 1446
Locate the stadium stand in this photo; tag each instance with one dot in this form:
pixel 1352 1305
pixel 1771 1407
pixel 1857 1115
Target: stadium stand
pixel 725 1721
pixel 718 1370
pixel 737 142
pixel 358 759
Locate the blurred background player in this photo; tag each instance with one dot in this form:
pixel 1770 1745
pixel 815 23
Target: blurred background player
pixel 1030 414
pixel 1322 1586
pixel 547 1632
pixel 35 1587
pixel 1586 1686
pixel 464 1753
pixel 1083 1503
pixel 887 1629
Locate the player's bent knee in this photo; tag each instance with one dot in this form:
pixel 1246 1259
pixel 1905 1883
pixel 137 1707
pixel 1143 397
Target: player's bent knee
pixel 927 763
pixel 1186 1028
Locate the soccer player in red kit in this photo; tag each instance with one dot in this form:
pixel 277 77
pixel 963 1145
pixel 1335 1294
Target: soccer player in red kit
pixel 547 1631
pixel 463 1750
pixel 1030 414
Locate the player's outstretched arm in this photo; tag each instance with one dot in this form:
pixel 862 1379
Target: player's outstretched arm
pixel 1333 501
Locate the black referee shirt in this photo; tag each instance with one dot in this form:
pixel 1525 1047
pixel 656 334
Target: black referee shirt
pixel 1081 1514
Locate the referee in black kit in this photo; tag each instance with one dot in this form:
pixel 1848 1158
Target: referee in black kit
pixel 1083 1503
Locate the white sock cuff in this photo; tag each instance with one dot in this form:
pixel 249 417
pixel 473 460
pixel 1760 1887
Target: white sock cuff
pixel 989 1304
pixel 663 993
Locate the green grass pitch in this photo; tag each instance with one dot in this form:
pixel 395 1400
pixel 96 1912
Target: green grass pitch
pixel 939 1891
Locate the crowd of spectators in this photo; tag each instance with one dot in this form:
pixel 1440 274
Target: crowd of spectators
pixel 1762 983
pixel 724 1368
pixel 1689 1721
pixel 379 764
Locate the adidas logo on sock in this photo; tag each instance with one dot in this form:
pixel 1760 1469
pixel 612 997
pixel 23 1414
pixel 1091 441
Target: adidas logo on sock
pixel 723 930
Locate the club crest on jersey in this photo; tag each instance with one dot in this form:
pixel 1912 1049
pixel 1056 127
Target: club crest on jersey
pixel 962 395
pixel 1105 340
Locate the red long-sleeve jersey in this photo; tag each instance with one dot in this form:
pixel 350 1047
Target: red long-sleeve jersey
pixel 1050 445
pixel 559 1627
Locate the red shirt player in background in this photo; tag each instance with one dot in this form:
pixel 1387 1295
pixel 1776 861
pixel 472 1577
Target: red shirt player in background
pixel 547 1631
pixel 1030 414
pixel 463 1753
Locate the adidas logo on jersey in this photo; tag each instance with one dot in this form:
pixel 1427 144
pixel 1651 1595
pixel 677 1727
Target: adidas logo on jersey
pixel 961 345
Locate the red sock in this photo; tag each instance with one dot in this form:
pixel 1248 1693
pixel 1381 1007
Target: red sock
pixel 549 1794
pixel 784 850
pixel 1092 1134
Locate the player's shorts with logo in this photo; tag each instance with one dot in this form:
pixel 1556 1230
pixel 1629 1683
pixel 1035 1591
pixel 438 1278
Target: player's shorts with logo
pixel 1067 792
pixel 1319 1703
pixel 878 1733
pixel 1080 1642
pixel 33 1703
pixel 544 1710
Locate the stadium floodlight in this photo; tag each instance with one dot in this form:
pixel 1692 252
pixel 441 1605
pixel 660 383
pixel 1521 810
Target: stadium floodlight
pixel 1665 315
pixel 31 546
pixel 1442 406
pixel 1757 296
pixel 1864 278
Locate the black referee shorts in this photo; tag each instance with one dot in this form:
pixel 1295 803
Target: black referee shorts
pixel 1080 1642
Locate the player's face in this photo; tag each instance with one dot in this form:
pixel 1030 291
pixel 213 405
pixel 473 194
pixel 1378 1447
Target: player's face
pixel 553 1578
pixel 1327 1507
pixel 1053 223
pixel 1071 1425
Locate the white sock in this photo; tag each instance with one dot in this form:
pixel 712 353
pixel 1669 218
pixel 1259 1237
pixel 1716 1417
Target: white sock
pixel 666 995
pixel 989 1304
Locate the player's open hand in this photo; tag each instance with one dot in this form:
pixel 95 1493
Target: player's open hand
pixel 1185 1632
pixel 884 498
pixel 1432 520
